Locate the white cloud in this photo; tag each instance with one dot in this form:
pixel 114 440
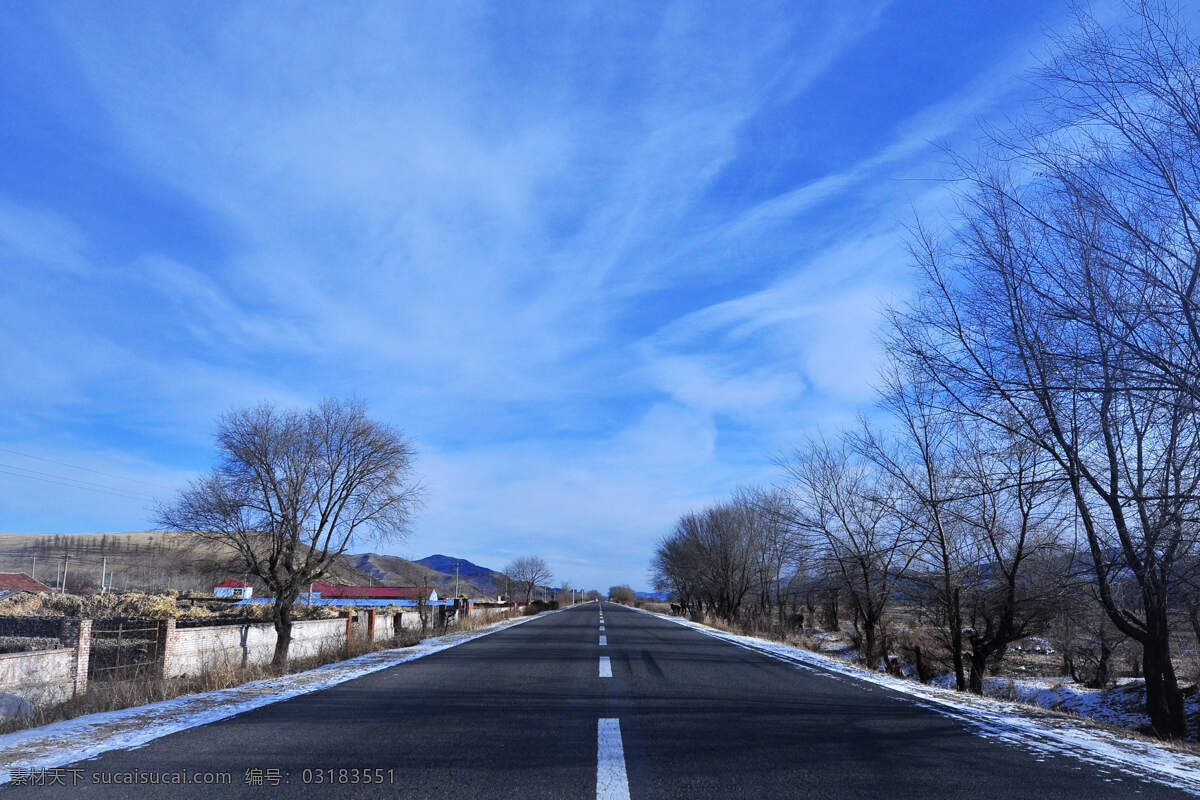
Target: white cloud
pixel 30 236
pixel 458 233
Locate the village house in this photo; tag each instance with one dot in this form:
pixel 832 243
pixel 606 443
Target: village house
pixel 417 594
pixel 12 583
pixel 238 590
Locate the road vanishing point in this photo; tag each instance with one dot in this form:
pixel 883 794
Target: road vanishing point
pixel 595 701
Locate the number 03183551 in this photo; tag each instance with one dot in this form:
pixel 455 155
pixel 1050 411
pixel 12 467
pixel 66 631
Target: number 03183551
pixel 335 776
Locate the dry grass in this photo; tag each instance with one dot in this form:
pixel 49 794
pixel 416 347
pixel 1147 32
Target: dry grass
pixel 654 605
pixel 167 605
pixel 481 618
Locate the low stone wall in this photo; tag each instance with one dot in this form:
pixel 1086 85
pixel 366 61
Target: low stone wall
pixel 385 626
pixel 43 676
pixel 190 651
pixel 491 614
pixel 408 620
pixel 50 676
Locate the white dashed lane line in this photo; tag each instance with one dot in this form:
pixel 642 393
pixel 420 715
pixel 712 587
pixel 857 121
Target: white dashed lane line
pixel 603 640
pixel 605 667
pixel 611 781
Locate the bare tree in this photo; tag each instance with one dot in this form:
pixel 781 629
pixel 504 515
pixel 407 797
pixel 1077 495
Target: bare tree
pixel 622 594
pixel 717 558
pixel 675 568
pixel 292 491
pixel 1064 311
pixel 527 573
pixel 921 460
pixel 779 547
pixel 566 594
pixel 1012 517
pixel 866 544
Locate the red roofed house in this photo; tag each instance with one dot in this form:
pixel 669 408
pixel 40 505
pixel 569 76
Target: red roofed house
pixel 232 588
pixel 329 591
pixel 16 582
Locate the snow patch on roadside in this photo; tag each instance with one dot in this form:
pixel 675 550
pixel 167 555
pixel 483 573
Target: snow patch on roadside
pixel 996 719
pixel 68 741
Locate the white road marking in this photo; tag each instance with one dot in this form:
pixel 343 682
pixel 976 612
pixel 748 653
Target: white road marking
pixel 611 781
pixel 601 627
pixel 603 640
pixel 605 667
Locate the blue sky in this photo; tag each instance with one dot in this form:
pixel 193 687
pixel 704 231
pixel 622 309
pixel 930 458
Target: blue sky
pixel 600 262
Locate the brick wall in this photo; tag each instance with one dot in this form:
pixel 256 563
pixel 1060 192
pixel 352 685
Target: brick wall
pixel 78 631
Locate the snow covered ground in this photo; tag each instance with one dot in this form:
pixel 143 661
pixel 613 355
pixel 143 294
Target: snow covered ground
pixel 1042 733
pixel 72 740
pixel 1123 705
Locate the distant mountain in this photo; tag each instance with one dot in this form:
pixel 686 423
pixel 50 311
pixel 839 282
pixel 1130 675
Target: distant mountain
pixel 488 582
pixel 660 596
pixel 446 564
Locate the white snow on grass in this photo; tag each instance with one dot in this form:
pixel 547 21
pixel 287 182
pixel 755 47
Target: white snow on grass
pixel 1040 732
pixel 1123 705
pixel 81 738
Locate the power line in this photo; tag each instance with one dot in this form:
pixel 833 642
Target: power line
pixel 76 466
pixel 73 483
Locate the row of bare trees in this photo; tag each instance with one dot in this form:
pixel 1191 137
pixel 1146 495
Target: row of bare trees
pixel 1042 390
pixel 973 539
pixel 731 560
pixel 1062 313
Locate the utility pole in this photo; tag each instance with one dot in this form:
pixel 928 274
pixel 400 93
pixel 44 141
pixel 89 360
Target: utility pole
pixel 456 578
pixel 103 569
pixel 66 563
pixel 34 575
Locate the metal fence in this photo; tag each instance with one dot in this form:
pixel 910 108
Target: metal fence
pixel 124 648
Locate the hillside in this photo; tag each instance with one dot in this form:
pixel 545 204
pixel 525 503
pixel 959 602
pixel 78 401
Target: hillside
pixel 154 561
pixel 448 564
pixel 396 571
pixel 488 580
pixel 149 561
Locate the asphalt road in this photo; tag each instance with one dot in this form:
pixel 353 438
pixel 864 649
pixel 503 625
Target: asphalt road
pixel 524 713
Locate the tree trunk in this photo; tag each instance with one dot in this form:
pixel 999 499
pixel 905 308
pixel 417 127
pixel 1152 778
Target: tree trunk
pixel 1067 643
pixel 868 627
pixel 1164 702
pixel 831 610
pixel 919 662
pixel 282 618
pixel 1103 673
pixel 979 658
pixel 956 648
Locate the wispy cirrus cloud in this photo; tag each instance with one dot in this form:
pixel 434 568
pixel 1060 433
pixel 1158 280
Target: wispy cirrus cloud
pixel 579 253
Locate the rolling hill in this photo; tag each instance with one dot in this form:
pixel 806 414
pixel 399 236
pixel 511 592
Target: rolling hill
pixel 488 581
pixel 138 560
pixel 160 560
